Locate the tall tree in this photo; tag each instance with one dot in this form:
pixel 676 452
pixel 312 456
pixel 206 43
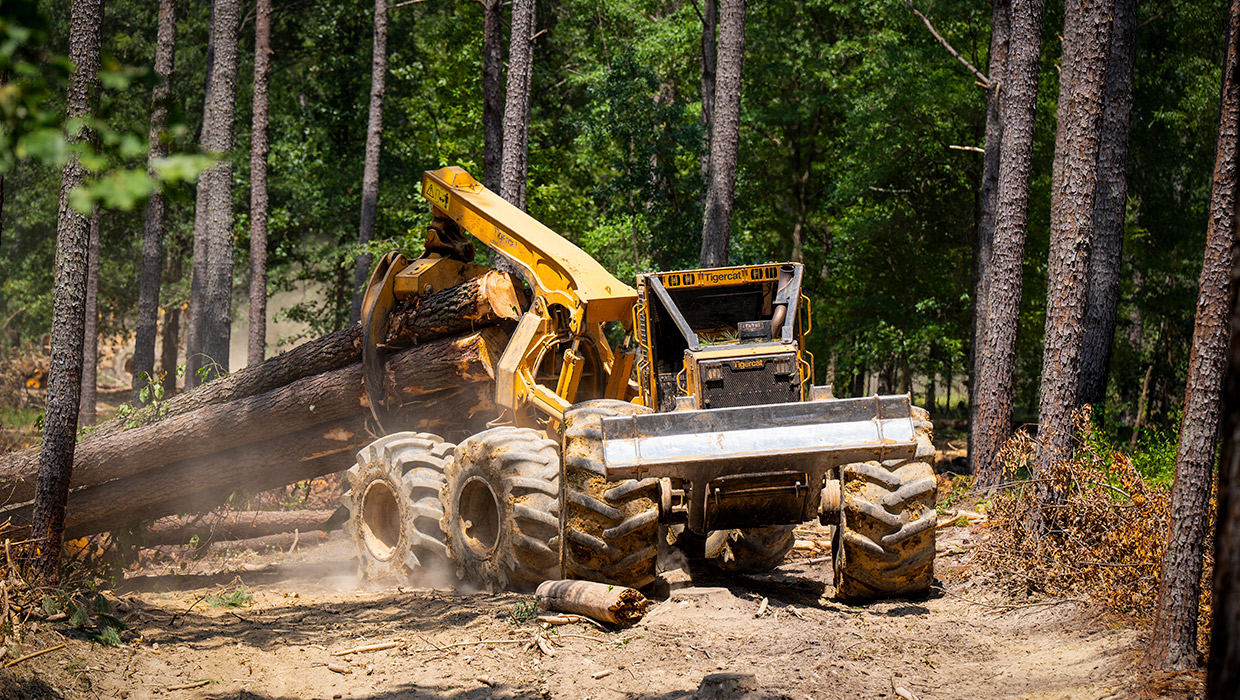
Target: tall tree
pixel 217 138
pixel 171 332
pixel 90 329
pixel 199 254
pixel 1173 642
pixel 998 358
pixel 492 92
pixel 374 145
pixel 258 185
pixel 725 135
pixel 1102 298
pixel 153 228
pixel 710 22
pixel 68 314
pixel 1000 31
pixel 515 165
pixel 1087 41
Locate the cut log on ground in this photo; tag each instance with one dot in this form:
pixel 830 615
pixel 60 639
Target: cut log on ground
pixel 616 605
pixel 309 428
pixel 235 525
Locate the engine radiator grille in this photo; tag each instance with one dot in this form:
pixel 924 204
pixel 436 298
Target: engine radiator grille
pixel 750 381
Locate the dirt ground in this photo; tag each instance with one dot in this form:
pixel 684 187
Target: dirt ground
pixel 964 641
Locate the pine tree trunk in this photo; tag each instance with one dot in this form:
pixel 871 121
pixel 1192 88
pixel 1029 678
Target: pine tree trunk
pixel 90 330
pixel 218 138
pixel 492 92
pixel 370 168
pixel 171 333
pixel 1173 644
pixel 998 359
pixel 710 22
pixel 1102 299
pixel 1087 41
pixel 258 186
pixel 153 229
pixel 1000 31
pixel 725 135
pixel 197 285
pixel 513 170
pixel 72 240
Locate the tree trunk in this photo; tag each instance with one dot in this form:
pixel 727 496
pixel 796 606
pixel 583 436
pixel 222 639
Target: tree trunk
pixel 710 22
pixel 1087 41
pixel 517 104
pixel 1223 664
pixel 492 92
pixel 370 168
pixel 1173 644
pixel 258 186
pixel 72 239
pixel 90 329
pixel 1102 299
pixel 725 135
pixel 1000 31
pixel 196 460
pixel 171 334
pixel 998 359
pixel 235 525
pixel 197 287
pixel 153 228
pixel 218 138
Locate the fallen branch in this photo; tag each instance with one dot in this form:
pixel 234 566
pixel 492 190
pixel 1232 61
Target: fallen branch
pixel 190 686
pixel 369 647
pixel 27 657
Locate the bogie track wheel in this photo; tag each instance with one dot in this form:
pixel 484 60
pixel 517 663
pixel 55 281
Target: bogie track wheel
pixel 394 507
pixel 501 508
pixel 610 530
pixel 884 543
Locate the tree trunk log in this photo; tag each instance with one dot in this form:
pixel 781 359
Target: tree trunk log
pixel 482 301
pixel 237 525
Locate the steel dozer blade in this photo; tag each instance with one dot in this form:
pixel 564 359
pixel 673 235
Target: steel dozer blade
pixel 754 464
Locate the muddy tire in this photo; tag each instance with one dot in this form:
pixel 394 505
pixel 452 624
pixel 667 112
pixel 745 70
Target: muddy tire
pixel 611 530
pixel 884 544
pixel 394 506
pixel 502 509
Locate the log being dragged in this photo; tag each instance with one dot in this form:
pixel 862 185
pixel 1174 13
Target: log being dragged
pixel 234 525
pixel 616 605
pixel 482 301
pixel 324 398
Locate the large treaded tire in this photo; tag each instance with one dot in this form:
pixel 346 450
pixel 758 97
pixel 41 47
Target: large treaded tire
pixel 610 530
pixel 502 509
pixel 884 544
pixel 394 506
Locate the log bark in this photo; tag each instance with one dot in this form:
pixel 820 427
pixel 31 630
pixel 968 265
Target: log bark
pixel 236 525
pixel 447 387
pixel 615 605
pixel 482 301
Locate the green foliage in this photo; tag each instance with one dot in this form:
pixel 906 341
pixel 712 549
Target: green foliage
pixel 239 598
pixel 89 612
pixel 524 610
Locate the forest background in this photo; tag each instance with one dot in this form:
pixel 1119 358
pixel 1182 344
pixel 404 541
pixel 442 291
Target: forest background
pixel 857 155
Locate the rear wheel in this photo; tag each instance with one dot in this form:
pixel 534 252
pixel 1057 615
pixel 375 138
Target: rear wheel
pixel 394 506
pixel 610 529
pixel 501 508
pixel 884 544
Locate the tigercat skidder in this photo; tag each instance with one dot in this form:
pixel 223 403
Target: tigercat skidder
pixel 702 426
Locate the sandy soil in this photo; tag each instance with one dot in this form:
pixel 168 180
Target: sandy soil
pixel 962 642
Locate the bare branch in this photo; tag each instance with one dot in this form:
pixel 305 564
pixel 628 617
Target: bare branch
pixel 974 149
pixel 406 2
pixel 955 54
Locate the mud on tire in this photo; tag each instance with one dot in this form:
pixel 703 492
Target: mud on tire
pixel 610 530
pixel 884 544
pixel 502 510
pixel 394 507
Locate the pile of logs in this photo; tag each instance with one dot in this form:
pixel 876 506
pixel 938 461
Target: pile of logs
pixel 294 417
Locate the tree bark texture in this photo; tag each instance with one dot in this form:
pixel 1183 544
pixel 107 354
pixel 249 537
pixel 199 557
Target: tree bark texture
pixel 217 138
pixel 235 525
pixel 1087 41
pixel 370 167
pixel 171 334
pixel 257 348
pixel 725 135
pixel 1223 663
pixel 492 92
pixel 998 359
pixel 515 166
pixel 90 329
pixel 483 301
pixel 153 227
pixel 1000 34
pixel 269 440
pixel 710 50
pixel 1102 298
pixel 1173 642
pixel 55 468
pixel 197 287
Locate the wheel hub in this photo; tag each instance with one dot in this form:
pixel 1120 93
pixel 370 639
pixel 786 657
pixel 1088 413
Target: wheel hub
pixel 480 516
pixel 380 520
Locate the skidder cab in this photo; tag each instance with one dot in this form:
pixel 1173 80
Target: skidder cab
pixel 703 426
